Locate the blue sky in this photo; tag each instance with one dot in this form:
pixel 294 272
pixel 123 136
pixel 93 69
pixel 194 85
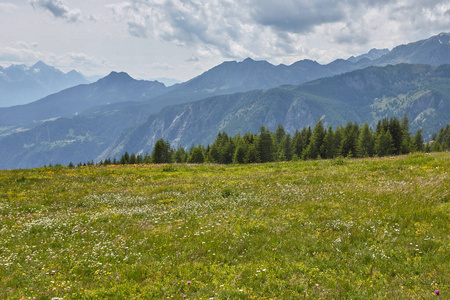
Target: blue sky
pixel 183 38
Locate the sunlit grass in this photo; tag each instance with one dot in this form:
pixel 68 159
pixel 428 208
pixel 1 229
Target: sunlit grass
pixel 359 229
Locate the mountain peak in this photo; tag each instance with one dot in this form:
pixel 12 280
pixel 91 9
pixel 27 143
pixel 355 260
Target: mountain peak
pixel 115 74
pixel 39 65
pixel 442 38
pixel 118 76
pixel 73 72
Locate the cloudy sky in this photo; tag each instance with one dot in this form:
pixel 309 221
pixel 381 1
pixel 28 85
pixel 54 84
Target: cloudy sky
pixel 183 38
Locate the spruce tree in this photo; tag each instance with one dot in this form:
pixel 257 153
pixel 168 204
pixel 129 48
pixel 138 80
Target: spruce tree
pixel 264 145
pixel 180 155
pixel 239 155
pixel 418 141
pixel 350 139
pixel 252 155
pixel 277 137
pixel 285 148
pixel 313 149
pixel 196 156
pixel 161 153
pixel 297 144
pixel 406 136
pixel 132 159
pixel 396 132
pixel 328 148
pixel 383 143
pixel 365 142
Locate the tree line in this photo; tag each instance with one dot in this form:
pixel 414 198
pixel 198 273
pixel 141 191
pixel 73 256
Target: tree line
pixel 390 137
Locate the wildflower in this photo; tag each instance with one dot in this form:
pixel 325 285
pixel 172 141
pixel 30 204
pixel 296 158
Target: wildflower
pixel 188 282
pixel 184 296
pixel 437 292
pixel 117 277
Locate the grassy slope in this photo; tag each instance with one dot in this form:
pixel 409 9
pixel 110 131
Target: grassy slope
pixel 372 228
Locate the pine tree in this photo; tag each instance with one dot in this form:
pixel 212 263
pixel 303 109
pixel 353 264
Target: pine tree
pixel 161 153
pixel 196 156
pixel 252 155
pixel 124 158
pixel 279 133
pixel 350 139
pixel 147 158
pixel 264 145
pixel 239 155
pixel 313 149
pixel 396 132
pixel 285 148
pixel 132 159
pixel 443 137
pixel 297 144
pixel 418 141
pixel 383 143
pixel 338 134
pixel 277 137
pixel 180 155
pixel 228 152
pixel 328 148
pixel 435 146
pixel 406 136
pixel 365 142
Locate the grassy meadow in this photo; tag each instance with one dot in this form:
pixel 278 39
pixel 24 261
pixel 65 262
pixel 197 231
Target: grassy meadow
pixel 327 229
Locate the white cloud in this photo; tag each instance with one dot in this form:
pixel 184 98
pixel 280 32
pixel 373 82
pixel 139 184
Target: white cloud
pixel 193 58
pixel 8 7
pixel 19 55
pixel 285 29
pixel 58 9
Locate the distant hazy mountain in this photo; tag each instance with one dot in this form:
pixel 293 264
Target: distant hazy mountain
pixel 420 91
pixel 433 51
pixel 20 84
pixel 93 78
pixel 371 55
pixel 112 89
pixel 167 81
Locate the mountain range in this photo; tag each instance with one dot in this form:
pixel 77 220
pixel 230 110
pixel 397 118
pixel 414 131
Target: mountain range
pixel 368 95
pixel 118 113
pixel 20 84
pixel 108 91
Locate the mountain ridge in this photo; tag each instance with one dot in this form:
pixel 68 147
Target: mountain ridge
pixel 20 84
pixel 114 88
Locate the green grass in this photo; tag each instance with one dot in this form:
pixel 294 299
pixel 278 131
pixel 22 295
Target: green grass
pixel 342 229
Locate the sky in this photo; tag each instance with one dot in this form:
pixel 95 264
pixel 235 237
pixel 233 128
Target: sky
pixel 183 38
